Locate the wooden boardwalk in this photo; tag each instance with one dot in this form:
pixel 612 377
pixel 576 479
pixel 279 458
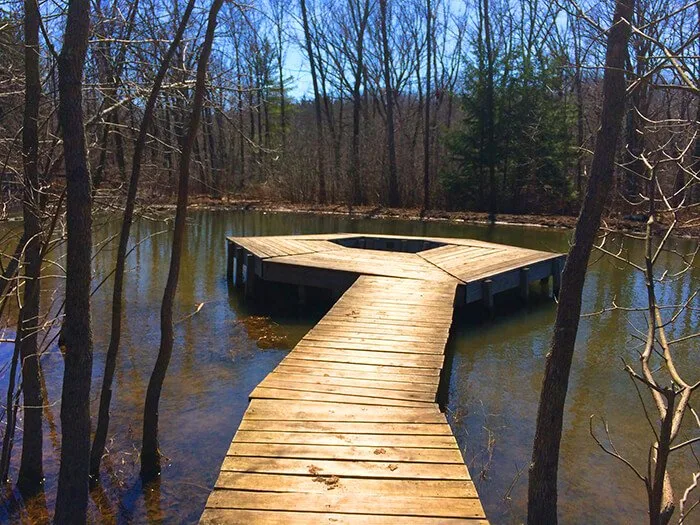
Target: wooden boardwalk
pixel 347 429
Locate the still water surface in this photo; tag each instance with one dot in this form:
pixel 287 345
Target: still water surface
pixel 223 351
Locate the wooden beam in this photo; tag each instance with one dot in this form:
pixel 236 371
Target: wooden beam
pixel 545 285
pixel 487 294
pixel 250 276
pixel 524 283
pixel 240 260
pixel 230 249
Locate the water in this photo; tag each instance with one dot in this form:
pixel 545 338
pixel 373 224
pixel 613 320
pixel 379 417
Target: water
pixel 223 351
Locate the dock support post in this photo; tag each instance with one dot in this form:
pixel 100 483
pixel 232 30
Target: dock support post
pixel 556 275
pixel 524 283
pixel 546 288
pixel 487 295
pixel 238 266
pixel 230 249
pixel 250 276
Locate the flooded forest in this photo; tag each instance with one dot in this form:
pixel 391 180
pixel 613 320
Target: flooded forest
pixel 137 135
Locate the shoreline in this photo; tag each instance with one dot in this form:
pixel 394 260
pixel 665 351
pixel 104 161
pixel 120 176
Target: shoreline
pixel 688 229
pixel 562 222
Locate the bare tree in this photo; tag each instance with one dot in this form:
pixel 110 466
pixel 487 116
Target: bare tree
pixel 426 121
pixel 542 485
pixel 359 15
pixel 657 372
pixel 150 453
pixel 71 501
pixel 321 167
pixel 389 94
pixel 100 438
pixel 31 475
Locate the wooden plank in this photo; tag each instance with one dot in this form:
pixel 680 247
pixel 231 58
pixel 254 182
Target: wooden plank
pixel 347 452
pixel 274 381
pixel 319 411
pixel 328 438
pixel 377 340
pixel 356 358
pixel 262 517
pixel 361 327
pixel 406 372
pixel 426 360
pixel 346 427
pixel 357 469
pixel 261 392
pixel 369 373
pixel 317 378
pixel 347 503
pixel 319 485
pixel 348 342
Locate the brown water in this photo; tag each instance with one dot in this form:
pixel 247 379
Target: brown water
pixel 223 351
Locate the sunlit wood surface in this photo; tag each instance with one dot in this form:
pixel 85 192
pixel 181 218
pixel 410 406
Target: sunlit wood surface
pixel 347 429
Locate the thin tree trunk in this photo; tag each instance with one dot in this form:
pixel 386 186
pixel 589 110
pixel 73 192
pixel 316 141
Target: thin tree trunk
pixel 98 444
pixel 578 86
pixel 391 139
pixel 356 190
pixel 426 124
pixel 71 500
pixel 150 454
pixel 490 113
pixel 241 143
pixel 31 474
pixel 542 487
pixel 283 96
pixel 320 163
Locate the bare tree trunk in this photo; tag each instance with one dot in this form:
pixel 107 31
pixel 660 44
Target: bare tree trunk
pixel 280 63
pixel 71 501
pixel 31 474
pixel 391 140
pixel 356 191
pixel 150 454
pixel 542 488
pixel 490 111
pixel 578 86
pixel 241 144
pixel 98 444
pixel 426 124
pixel 210 148
pixel 317 108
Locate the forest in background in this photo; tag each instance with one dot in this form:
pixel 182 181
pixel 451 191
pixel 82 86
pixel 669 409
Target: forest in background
pixel 494 105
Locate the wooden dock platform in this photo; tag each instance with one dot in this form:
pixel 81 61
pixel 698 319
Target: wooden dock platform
pixel 347 429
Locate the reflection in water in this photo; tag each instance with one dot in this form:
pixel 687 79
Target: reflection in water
pixel 219 358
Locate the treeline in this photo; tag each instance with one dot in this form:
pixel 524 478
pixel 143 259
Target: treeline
pixel 484 106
